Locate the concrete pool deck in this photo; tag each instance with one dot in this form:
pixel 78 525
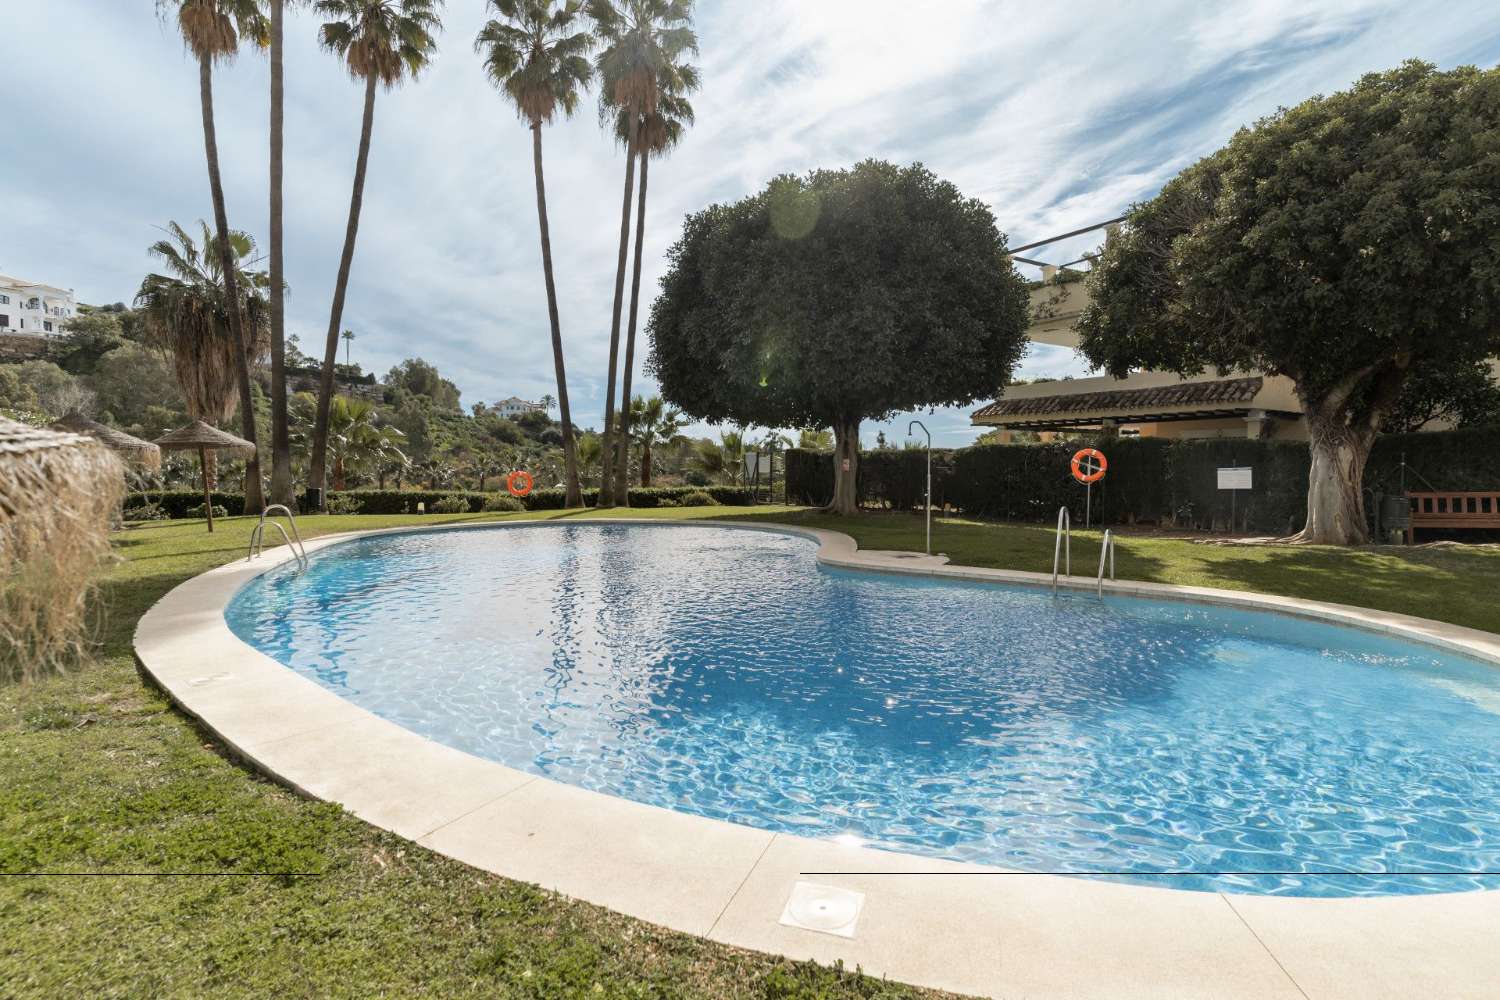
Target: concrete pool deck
pixel 949 925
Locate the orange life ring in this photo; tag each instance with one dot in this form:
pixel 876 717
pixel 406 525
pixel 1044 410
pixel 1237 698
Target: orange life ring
pixel 521 476
pixel 1095 472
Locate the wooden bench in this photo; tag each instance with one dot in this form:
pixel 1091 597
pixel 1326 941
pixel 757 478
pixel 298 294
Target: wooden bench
pixel 1460 509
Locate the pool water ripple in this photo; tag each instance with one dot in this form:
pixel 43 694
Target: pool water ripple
pixel 721 672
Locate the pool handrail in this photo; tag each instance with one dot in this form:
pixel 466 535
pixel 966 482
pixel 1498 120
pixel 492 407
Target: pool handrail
pixel 258 536
pixel 1064 541
pixel 1108 549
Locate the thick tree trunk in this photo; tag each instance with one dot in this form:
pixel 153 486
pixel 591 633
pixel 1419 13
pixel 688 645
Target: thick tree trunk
pixel 574 496
pixel 621 490
pixel 606 453
pixel 1335 483
pixel 254 501
pixel 845 467
pixel 316 475
pixel 338 474
pixel 281 443
pixel 646 462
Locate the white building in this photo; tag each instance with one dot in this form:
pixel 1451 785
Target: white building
pixel 515 406
pixel 27 307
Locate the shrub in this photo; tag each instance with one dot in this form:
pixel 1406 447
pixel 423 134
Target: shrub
pixel 219 511
pixel 145 512
pixel 343 503
pixel 667 502
pixel 181 503
pixel 698 498
pixel 503 502
pixel 452 504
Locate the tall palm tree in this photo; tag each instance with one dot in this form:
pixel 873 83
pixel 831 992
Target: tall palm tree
pixel 655 424
pixel 187 315
pixel 380 42
pixel 348 336
pixel 212 29
pixel 533 55
pixel 639 39
pixel 656 133
pixel 281 448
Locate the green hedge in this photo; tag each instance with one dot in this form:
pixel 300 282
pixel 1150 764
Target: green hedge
pixel 1150 480
pixel 177 503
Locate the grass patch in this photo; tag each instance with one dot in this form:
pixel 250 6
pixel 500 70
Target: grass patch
pixel 106 793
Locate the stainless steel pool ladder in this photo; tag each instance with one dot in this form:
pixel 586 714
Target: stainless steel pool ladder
pixel 258 536
pixel 1064 543
pixel 1107 550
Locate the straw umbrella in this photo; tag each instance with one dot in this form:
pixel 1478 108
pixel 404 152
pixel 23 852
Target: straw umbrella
pixel 203 438
pixel 132 449
pixel 57 492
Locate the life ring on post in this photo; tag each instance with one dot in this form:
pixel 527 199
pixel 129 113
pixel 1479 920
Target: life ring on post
pixel 1089 465
pixel 518 483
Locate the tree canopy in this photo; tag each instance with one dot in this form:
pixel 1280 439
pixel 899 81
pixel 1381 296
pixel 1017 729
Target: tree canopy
pixel 836 297
pixel 1348 243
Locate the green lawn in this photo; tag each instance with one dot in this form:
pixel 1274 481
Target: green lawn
pixel 98 775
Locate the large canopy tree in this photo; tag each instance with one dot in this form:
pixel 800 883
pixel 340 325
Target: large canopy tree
pixel 837 297
pixel 1351 243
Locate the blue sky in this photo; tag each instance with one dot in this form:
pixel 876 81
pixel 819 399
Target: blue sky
pixel 1056 115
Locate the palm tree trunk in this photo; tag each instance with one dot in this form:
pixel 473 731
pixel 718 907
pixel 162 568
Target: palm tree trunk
pixel 281 444
pixel 645 453
pixel 254 501
pixel 606 453
pixel 574 496
pixel 316 473
pixel 208 493
pixel 621 491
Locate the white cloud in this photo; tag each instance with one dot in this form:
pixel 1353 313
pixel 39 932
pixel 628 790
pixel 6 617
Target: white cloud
pixel 1058 116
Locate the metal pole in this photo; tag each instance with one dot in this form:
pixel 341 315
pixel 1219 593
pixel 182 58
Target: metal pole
pixel 928 503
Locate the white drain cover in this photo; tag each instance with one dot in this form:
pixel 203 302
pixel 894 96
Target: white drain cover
pixel 823 908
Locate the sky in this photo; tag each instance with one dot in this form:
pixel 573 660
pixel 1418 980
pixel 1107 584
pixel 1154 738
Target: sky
pixel 1058 116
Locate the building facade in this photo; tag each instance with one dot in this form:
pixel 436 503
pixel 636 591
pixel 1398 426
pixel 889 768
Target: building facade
pixel 515 406
pixel 30 308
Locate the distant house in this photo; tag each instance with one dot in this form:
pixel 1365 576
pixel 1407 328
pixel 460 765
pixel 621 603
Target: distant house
pixel 33 309
pixel 515 406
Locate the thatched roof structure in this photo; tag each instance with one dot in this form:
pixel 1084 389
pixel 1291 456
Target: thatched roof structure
pixel 129 447
pixel 58 494
pixel 199 435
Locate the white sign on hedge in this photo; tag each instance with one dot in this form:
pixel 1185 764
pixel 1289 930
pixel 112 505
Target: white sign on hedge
pixel 1234 478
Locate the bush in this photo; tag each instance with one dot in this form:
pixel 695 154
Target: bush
pixel 182 503
pixel 667 502
pixel 146 512
pixel 698 498
pixel 503 502
pixel 453 504
pixel 343 503
pixel 197 511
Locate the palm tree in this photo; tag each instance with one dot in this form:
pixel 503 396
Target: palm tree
pixel 590 449
pixel 281 448
pixel 211 29
pixel 187 315
pixel 533 55
pixel 656 133
pixel 640 39
pixel 655 425
pixel 380 42
pixel 357 440
pixel 548 401
pixel 348 336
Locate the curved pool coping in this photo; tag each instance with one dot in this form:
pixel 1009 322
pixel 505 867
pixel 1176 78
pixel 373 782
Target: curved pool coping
pixel 949 925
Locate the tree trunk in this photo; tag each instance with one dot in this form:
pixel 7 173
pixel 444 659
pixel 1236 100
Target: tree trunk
pixel 606 453
pixel 574 496
pixel 338 473
pixel 621 490
pixel 646 462
pixel 254 501
pixel 316 471
pixel 208 493
pixel 1335 494
pixel 845 467
pixel 281 443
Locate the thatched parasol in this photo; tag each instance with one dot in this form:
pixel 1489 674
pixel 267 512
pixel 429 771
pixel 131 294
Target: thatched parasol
pixel 131 449
pixel 203 438
pixel 57 494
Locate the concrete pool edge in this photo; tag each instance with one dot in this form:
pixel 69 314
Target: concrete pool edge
pixel 943 924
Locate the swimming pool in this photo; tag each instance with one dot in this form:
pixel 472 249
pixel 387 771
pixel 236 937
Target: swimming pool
pixel 721 672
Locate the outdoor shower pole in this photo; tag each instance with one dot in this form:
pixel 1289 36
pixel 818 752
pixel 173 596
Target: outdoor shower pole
pixel 928 504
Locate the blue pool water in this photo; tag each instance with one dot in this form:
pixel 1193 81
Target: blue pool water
pixel 722 672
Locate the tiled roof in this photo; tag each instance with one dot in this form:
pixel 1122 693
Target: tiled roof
pixel 1209 395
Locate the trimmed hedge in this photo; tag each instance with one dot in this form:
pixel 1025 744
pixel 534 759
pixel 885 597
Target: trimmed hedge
pixel 177 503
pixel 1150 480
